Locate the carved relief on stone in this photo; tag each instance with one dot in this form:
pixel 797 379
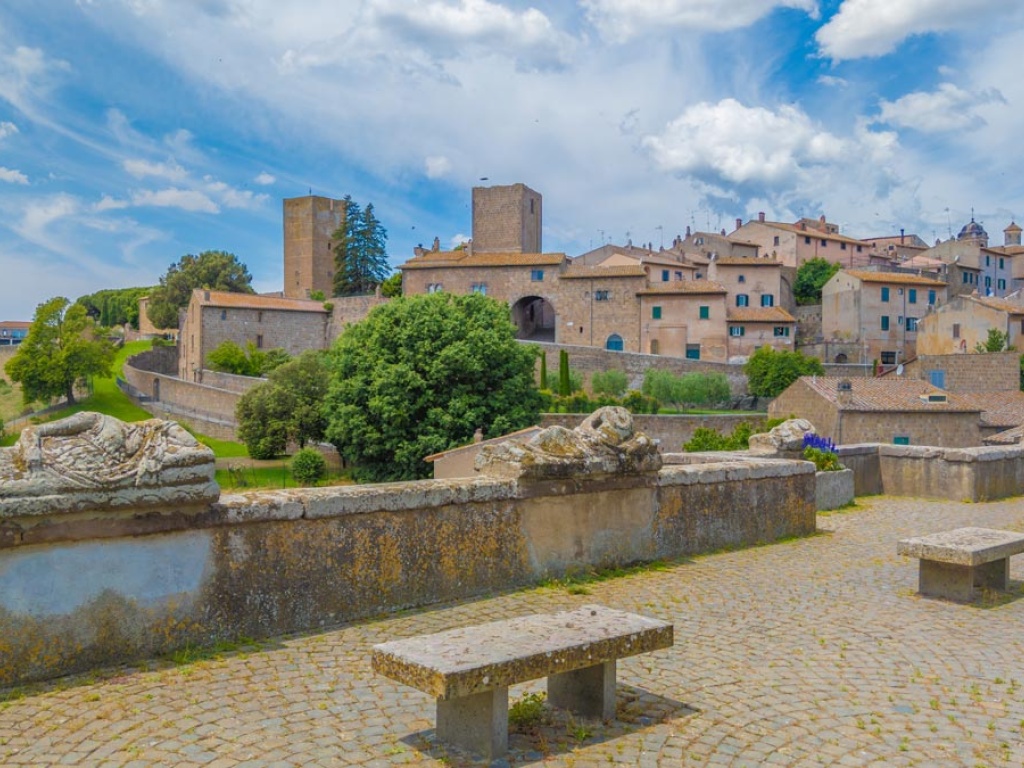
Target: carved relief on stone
pixel 91 461
pixel 605 443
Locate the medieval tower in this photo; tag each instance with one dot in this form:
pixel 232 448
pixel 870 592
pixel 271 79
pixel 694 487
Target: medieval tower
pixel 309 223
pixel 506 219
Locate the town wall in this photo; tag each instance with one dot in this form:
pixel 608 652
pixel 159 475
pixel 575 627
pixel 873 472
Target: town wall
pixel 990 372
pixel 78 592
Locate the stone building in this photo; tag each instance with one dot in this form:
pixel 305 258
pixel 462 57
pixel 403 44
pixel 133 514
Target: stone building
pixel 309 223
pixel 878 311
pixel 793 244
pixel 213 317
pixel 964 322
pixel 882 410
pixel 506 219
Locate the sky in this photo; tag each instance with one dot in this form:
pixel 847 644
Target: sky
pixel 133 132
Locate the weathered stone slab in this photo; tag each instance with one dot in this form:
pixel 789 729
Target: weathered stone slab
pixel 964 546
pixel 470 660
pixel 786 438
pixel 94 462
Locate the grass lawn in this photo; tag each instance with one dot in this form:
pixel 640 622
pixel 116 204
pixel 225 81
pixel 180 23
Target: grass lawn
pixel 106 398
pixel 242 478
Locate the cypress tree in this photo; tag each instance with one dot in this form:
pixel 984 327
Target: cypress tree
pixel 564 387
pixel 543 370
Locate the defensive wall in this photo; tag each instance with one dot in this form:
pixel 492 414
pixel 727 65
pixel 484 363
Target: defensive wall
pixel 79 591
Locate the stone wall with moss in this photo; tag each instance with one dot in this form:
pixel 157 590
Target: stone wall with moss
pixel 82 591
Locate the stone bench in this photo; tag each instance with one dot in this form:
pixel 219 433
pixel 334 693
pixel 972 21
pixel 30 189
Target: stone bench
pixel 469 670
pixel 954 563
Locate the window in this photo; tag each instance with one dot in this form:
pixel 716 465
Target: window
pixel 656 313
pixel 988 261
pixel 931 298
pixel 782 330
pixel 601 295
pixel 1001 263
pixel 223 314
pixel 531 205
pixel 664 275
pixel 259 316
pixel 988 281
pixel 842 246
pixel 536 275
pixel 859 248
pixel 655 346
pixel 693 351
pixel 888 357
pixel 965 276
pixel 1001 284
pixel 824 243
pixel 435 288
pixel 885 293
pixel 741 279
pixel 912 296
pixel 699 241
pixel 679 275
pixel 956 330
pixel 776 241
pixel 767 300
pixel 614 343
pixel 737 330
pixel 899 321
pixel 885 322
pixel 901 440
pixel 479 288
pixel 742 300
pixel 704 312
pixel 807 240
pixel 259 341
pixel 911 323
pixel 937 378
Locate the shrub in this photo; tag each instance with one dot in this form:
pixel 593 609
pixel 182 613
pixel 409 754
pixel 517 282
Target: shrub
pixel 308 466
pixel 824 461
pixel 612 383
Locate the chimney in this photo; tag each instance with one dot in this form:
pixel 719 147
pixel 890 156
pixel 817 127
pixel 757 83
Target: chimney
pixel 760 215
pixel 844 391
pixel 901 235
pixel 687 230
pixel 739 223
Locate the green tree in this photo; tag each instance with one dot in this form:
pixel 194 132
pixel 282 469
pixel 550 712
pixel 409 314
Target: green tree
pixel 690 389
pixel 212 270
pixel 114 306
pixel 228 357
pixel 392 287
pixel 997 341
pixel 564 381
pixel 287 407
pixel 63 347
pixel 611 382
pixel 770 371
pixel 544 370
pixel 810 277
pixel 360 251
pixel 420 375
pixel 308 466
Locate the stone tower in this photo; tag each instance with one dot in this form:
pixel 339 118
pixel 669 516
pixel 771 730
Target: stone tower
pixel 506 219
pixel 309 223
pixel 1011 235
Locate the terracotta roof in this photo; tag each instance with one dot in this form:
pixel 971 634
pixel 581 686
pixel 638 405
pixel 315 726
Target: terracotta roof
pixel 810 232
pixel 599 273
pixel 999 409
pixel 893 277
pixel 1002 305
pixel 683 286
pixel 1006 437
pixel 871 395
pixel 740 261
pixel 12 324
pixel 759 315
pixel 665 261
pixel 253 301
pixel 1014 227
pixel 463 259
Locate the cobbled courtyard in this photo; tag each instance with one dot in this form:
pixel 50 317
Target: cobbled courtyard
pixel 809 652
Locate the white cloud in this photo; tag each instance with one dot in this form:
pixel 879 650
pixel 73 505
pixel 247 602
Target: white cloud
pixel 875 27
pixel 458 239
pixel 13 177
pixel 948 109
pixel 169 171
pixel 832 81
pixel 623 20
pixel 7 129
pixel 265 179
pixel 108 203
pixel 185 199
pixel 437 166
pixel 229 196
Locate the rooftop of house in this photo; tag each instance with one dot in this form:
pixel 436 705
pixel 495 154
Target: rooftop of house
pixel 575 271
pixel 14 325
pixel 463 259
pixel 741 261
pixel 228 300
pixel 759 315
pixel 893 277
pixel 1002 305
pixel 1006 437
pixel 809 232
pixel 677 287
pixel 999 409
pixel 887 394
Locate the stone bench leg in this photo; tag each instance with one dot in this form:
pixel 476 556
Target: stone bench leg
pixel 477 723
pixel 957 582
pixel 589 691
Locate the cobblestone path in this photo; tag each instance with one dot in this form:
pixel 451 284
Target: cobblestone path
pixel 809 652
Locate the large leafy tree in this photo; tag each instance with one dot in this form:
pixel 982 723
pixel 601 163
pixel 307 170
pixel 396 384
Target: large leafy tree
pixel 360 251
pixel 213 270
pixel 228 357
pixel 420 375
pixel 810 277
pixel 62 348
pixel 114 306
pixel 288 407
pixel 770 371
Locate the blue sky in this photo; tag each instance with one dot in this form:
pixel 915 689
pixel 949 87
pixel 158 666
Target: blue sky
pixel 135 131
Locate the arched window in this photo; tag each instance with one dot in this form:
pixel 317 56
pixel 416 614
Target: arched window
pixel 841 358
pixel 742 300
pixel 614 343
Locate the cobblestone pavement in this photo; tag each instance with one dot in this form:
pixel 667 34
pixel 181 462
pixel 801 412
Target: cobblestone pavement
pixel 809 652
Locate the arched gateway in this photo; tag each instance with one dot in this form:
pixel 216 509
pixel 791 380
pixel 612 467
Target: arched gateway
pixel 534 318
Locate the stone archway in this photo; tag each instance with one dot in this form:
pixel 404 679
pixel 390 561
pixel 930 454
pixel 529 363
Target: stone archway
pixel 534 318
pixel 841 358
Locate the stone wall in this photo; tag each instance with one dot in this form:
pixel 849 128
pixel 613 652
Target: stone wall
pixel 206 409
pixel 83 591
pixel 974 474
pixel 992 372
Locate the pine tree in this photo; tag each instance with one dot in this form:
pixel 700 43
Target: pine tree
pixel 360 251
